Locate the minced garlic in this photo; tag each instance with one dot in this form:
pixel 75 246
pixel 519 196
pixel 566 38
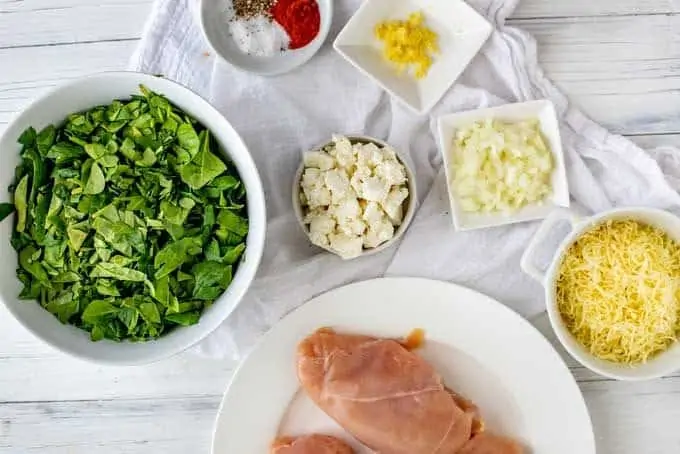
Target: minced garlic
pixel 408 43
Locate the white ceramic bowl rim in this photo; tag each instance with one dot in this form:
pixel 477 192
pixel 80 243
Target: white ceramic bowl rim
pixel 102 88
pixel 411 202
pixel 663 364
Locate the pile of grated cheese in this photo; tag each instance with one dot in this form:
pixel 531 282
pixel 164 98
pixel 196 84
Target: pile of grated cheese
pixel 618 289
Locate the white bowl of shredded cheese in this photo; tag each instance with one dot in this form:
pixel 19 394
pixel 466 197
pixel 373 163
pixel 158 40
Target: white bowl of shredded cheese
pixel 354 196
pixel 612 290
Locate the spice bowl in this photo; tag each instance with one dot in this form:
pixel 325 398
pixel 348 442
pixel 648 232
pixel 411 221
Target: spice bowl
pixel 461 33
pixel 409 205
pixel 229 35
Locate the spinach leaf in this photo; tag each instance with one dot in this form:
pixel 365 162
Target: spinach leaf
pixel 150 313
pixel 128 221
pixel 96 310
pixel 232 222
pixel 45 139
pixel 28 260
pixel 113 271
pixel 204 167
pixel 27 138
pixel 95 181
pixel 175 254
pixel 21 203
pixel 129 317
pixel 64 152
pixel 185 319
pixel 63 308
pixel 210 280
pixel 234 253
pixel 188 139
pixel 5 210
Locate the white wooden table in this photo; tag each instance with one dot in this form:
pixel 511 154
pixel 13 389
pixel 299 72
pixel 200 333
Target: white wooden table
pixel 619 60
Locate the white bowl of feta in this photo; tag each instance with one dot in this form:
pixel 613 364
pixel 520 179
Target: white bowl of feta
pixel 503 164
pixel 354 196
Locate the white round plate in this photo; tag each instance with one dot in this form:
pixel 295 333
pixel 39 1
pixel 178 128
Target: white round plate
pixel 482 349
pixel 216 31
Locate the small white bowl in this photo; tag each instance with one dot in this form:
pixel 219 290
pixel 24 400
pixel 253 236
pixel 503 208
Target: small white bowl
pixel 462 33
pixel 663 364
pixel 216 31
pixel 410 204
pixel 102 89
pixel 544 112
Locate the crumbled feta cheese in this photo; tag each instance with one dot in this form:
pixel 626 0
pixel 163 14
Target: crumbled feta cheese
pixel 357 179
pixel 378 233
pixel 373 214
pixel 338 183
pixel 343 152
pixel 391 172
pixel 352 227
pixel 346 246
pixel 369 155
pixel 318 197
pixel 319 240
pixel 311 178
pixel 323 224
pixel 373 189
pixel 353 195
pixel 318 160
pixel 346 209
pixel 389 154
pixel 397 216
pixel 393 203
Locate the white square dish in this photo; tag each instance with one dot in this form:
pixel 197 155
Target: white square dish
pixel 461 30
pixel 544 112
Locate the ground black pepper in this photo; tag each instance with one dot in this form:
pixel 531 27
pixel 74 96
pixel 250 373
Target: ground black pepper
pixel 245 9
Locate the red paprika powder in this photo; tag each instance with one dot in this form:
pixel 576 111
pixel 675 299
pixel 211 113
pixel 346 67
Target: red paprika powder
pixel 300 18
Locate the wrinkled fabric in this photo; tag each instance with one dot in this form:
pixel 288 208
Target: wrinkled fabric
pixel 280 117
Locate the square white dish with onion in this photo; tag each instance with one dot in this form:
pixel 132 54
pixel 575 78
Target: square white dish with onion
pixel 503 164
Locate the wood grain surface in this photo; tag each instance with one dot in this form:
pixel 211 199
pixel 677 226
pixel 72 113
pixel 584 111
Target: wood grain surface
pixel 619 60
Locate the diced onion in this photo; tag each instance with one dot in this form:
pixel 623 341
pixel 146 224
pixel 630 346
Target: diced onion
pixel 499 166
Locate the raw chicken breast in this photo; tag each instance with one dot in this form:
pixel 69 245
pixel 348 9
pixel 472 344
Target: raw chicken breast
pixel 384 395
pixel 469 407
pixel 491 444
pixel 310 444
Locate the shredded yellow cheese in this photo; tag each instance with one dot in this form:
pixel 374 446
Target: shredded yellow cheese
pixel 618 290
pixel 408 43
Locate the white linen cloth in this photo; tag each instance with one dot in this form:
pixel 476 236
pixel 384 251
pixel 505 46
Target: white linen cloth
pixel 282 116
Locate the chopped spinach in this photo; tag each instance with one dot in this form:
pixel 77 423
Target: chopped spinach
pixel 128 222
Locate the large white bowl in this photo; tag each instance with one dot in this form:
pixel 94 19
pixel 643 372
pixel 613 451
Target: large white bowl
pixel 86 93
